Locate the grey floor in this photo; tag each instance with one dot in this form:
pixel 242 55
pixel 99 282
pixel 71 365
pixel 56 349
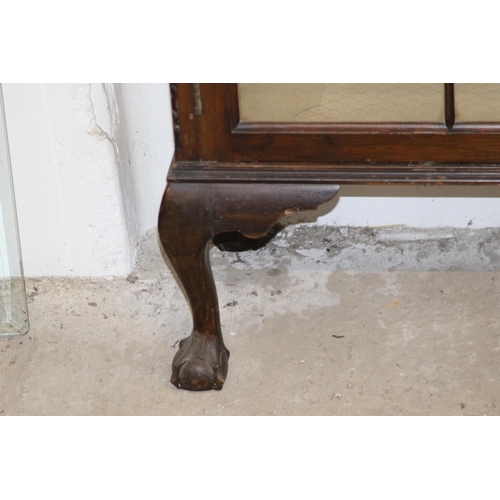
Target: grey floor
pixel 322 321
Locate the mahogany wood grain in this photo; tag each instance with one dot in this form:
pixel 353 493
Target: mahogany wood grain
pixel 186 127
pixel 449 104
pixel 444 147
pixel 215 122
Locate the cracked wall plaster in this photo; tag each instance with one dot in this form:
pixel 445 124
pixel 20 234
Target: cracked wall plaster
pixel 90 162
pixel 69 197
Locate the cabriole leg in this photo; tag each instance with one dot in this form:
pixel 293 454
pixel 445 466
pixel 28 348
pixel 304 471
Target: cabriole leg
pixel 191 215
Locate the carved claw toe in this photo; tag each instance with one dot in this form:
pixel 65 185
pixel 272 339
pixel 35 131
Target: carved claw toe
pixel 200 364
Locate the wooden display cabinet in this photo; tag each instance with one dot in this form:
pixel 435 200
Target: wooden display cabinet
pixel 244 158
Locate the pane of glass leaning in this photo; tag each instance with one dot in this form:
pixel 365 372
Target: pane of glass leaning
pixel 13 308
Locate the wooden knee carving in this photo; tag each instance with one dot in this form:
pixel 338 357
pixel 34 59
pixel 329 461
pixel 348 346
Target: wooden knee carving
pixel 191 215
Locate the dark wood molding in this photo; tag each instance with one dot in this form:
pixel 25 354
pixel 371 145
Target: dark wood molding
pixel 234 105
pixel 313 173
pixel 176 122
pixel 448 147
pixel 339 128
pixel 449 104
pixel 186 129
pixel 215 122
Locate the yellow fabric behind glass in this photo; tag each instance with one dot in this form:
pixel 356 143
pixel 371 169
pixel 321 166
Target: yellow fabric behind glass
pixel 341 102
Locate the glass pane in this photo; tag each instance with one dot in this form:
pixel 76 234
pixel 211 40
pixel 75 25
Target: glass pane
pixel 341 102
pixel 477 102
pixel 13 309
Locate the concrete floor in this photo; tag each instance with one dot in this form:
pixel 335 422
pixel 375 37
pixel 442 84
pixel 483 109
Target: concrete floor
pixel 322 321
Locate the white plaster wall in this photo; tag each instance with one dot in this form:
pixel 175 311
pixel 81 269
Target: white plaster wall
pixel 414 206
pixel 90 162
pixel 70 204
pixel 148 129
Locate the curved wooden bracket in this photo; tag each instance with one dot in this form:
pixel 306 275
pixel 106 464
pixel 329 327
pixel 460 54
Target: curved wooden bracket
pixel 191 215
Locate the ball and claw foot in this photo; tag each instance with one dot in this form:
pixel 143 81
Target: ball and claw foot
pixel 200 364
